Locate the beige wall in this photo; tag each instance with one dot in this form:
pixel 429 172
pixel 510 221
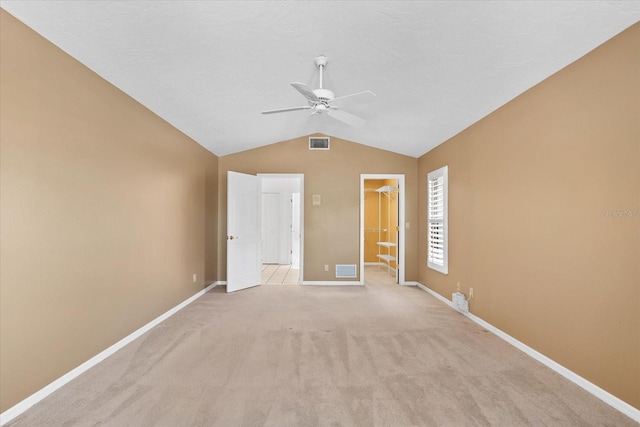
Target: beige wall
pixel 106 213
pixel 530 187
pixel 331 230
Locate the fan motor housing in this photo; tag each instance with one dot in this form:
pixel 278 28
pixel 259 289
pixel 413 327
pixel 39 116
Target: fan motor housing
pixel 324 94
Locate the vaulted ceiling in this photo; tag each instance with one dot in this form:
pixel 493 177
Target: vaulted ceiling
pixel 210 67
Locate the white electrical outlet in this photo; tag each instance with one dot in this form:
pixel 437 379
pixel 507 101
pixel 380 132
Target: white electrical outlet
pixel 195 278
pixel 458 287
pixel 326 267
pixel 470 292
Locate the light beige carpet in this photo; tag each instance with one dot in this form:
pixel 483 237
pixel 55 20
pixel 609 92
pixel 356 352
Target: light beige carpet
pixel 378 355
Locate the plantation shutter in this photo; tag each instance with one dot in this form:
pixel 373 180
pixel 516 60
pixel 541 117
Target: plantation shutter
pixel 437 220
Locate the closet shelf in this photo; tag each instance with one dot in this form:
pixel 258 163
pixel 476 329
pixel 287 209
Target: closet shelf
pixel 387 244
pixel 386 189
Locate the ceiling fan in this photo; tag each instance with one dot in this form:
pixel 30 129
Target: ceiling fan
pixel 324 101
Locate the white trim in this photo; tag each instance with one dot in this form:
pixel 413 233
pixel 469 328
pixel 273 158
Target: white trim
pixel 400 254
pixel 36 397
pixel 337 282
pixel 605 396
pixel 435 294
pixel 410 283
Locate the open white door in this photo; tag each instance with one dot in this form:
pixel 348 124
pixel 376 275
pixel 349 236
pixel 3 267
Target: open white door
pixel 244 231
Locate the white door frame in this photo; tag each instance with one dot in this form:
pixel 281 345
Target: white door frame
pixel 301 178
pixel 401 222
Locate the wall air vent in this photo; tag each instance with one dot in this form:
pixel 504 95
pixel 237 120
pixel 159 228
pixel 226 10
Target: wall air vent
pixel 318 143
pixel 346 271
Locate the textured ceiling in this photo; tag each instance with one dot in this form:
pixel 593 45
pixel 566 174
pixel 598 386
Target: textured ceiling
pixel 210 67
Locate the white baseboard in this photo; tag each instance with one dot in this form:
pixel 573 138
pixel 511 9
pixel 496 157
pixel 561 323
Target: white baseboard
pixel 435 294
pixel 330 283
pixel 36 397
pixel 605 396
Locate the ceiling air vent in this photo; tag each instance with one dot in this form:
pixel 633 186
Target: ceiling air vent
pixel 318 143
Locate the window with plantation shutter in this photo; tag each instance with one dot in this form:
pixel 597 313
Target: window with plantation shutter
pixel 437 233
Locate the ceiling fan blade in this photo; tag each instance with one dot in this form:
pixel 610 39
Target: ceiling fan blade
pixel 305 91
pixel 360 97
pixel 347 118
pixel 284 110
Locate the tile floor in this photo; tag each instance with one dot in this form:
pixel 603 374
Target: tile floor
pixel 274 274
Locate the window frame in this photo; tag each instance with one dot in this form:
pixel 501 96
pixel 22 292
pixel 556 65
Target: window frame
pixel 443 173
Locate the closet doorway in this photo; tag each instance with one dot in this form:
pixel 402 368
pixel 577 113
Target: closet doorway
pixel 282 228
pixel 382 235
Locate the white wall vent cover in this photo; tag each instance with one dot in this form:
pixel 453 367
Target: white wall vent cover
pixel 318 143
pixel 345 271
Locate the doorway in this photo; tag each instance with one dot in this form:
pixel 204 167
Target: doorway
pixel 382 234
pixel 282 228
